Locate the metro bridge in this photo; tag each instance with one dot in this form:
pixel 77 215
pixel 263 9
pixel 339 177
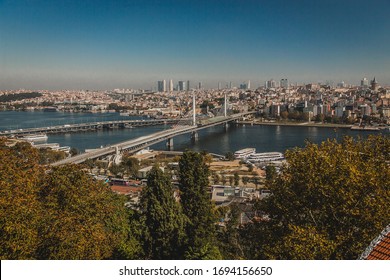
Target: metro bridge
pixel 140 143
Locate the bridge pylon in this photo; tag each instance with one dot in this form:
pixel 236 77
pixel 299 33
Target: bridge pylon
pixel 169 143
pixel 193 109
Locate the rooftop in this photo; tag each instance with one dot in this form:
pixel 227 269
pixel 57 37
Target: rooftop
pixel 379 248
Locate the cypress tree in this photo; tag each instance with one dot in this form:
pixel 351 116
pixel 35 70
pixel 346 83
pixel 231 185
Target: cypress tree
pixel 197 206
pixel 162 216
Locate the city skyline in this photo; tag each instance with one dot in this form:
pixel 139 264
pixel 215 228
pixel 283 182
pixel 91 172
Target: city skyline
pixel 134 44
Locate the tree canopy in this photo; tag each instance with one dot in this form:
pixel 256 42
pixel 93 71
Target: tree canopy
pixel 196 203
pixel 328 202
pixel 163 218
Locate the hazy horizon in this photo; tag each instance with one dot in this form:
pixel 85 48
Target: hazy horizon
pixel 103 45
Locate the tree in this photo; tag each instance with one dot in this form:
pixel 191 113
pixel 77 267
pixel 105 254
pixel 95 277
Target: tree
pixel 117 169
pixel 245 180
pixel 82 219
pixel 230 156
pixel 223 179
pixel 74 151
pixel 236 179
pixel 231 180
pixel 130 165
pixel 228 236
pixel 328 202
pixel 270 173
pixel 164 221
pixel 195 200
pixel 20 213
pixel 57 213
pixel 216 178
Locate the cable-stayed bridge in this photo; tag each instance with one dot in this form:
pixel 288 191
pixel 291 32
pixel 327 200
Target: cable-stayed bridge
pixel 140 143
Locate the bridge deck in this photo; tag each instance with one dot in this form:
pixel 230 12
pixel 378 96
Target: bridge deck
pixel 148 140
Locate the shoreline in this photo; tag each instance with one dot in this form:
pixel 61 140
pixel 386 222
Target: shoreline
pixel 305 124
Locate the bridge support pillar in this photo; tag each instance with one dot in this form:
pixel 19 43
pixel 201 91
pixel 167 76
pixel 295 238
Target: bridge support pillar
pixel 170 143
pixel 226 126
pixel 194 136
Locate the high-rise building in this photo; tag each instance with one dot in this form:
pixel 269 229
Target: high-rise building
pixel 181 86
pixel 248 85
pixel 271 84
pixel 230 85
pixel 200 85
pixel 364 83
pixel 161 86
pixel 170 87
pixel 188 85
pixel 284 83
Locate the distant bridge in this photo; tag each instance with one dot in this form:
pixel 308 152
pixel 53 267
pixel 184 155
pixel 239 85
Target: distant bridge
pixel 70 128
pixel 140 143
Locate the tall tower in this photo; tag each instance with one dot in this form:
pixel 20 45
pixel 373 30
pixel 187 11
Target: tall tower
pixel 161 86
pixel 170 86
pixel 248 86
pixel 181 86
pixel 374 84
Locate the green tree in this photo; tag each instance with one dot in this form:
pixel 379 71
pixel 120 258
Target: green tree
pixel 74 151
pixel 228 236
pixel 163 216
pixel 333 196
pixel 236 179
pixel 83 219
pixel 230 156
pixel 130 165
pixel 223 179
pixel 20 213
pixel 117 170
pixel 245 180
pixel 200 228
pixel 216 178
pixel 48 155
pixel 231 180
pixel 270 173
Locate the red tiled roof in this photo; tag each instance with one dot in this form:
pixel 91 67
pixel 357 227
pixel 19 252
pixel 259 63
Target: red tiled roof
pixel 379 248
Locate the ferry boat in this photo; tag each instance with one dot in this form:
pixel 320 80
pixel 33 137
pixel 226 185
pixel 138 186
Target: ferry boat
pixel 35 138
pixel 244 153
pixel 265 157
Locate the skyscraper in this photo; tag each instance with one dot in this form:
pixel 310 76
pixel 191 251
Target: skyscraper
pixel 200 85
pixel 181 86
pixel 188 85
pixel 161 86
pixel 170 87
pixel 284 83
pixel 364 82
pixel 271 84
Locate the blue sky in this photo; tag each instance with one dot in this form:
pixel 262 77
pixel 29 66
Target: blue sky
pixel 131 44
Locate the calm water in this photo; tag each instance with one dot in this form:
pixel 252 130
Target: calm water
pixel 215 139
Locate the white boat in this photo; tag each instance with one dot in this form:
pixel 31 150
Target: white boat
pixel 35 138
pixel 265 157
pixel 244 153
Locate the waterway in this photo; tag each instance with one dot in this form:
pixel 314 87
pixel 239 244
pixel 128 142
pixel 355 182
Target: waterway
pixel 215 139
